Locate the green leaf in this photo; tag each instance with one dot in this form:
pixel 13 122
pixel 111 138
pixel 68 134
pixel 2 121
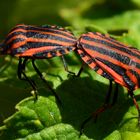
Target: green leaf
pixel 45 119
pixel 38 120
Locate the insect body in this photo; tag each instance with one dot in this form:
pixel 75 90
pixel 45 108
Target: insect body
pixel 38 42
pixel 105 55
pixel 112 60
pixel 120 62
pixel 32 42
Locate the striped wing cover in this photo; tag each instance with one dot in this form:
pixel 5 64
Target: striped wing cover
pixel 108 56
pixel 38 42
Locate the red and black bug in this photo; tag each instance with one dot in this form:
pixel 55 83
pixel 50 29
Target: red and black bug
pixel 33 42
pixel 112 60
pixel 105 55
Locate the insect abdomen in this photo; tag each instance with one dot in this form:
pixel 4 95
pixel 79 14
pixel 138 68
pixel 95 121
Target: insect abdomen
pixel 39 42
pixel 113 57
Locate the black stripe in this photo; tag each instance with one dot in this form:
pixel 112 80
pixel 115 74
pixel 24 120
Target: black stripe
pixel 128 82
pixel 106 75
pixel 116 68
pixel 41 54
pixel 31 45
pixel 23 48
pixel 14 34
pixel 37 35
pixel 19 50
pixel 95 68
pixel 52 52
pixel 119 46
pixel 18 27
pixel 15 41
pixel 111 39
pixel 62 51
pixel 136 75
pixel 70 48
pixel 43 44
pixel 114 55
pixel 82 54
pixel 10 44
pixel 44 29
pixel 50 29
pixel 89 61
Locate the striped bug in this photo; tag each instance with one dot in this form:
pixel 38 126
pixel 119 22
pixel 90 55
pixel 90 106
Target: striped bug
pixel 114 61
pixel 105 55
pixel 33 42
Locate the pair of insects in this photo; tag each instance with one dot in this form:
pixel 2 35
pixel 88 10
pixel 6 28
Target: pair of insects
pixel 103 54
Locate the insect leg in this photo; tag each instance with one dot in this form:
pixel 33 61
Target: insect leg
pixel 43 79
pixel 80 71
pixel 106 103
pixel 66 66
pixel 20 68
pixel 98 111
pixel 136 104
pixel 115 97
pixel 107 100
pixel 21 71
pixel 131 86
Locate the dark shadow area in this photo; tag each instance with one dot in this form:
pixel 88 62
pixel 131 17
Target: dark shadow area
pixel 9 97
pixel 41 13
pixel 14 90
pixel 38 21
pixel 108 8
pixel 118 32
pixel 7 8
pixel 80 97
pixel 83 96
pixel 44 19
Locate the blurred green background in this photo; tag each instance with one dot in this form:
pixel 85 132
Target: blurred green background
pixel 71 12
pixel 120 18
